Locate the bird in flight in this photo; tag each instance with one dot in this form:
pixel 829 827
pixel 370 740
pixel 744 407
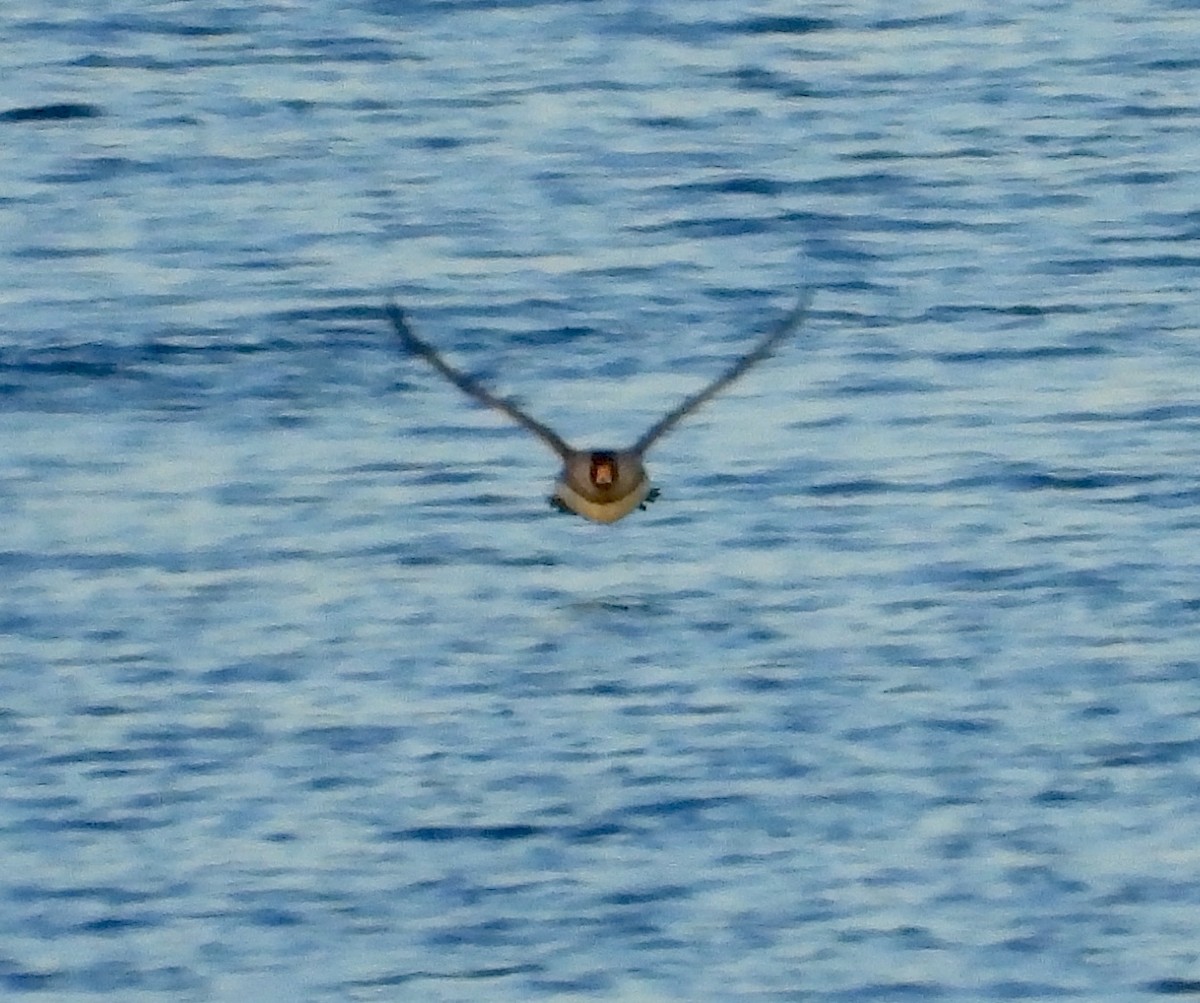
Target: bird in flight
pixel 603 485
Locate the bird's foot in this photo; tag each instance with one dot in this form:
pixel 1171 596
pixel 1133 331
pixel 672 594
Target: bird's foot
pixel 652 496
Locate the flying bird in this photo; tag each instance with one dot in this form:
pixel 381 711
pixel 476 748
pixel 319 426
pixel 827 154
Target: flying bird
pixel 603 485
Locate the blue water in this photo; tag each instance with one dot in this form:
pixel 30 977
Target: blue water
pixel 306 695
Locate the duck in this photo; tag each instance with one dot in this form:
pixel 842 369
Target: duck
pixel 602 485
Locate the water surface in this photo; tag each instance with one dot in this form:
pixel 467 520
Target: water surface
pixel 307 695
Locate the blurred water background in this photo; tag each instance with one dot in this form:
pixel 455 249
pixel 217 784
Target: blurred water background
pixel 305 694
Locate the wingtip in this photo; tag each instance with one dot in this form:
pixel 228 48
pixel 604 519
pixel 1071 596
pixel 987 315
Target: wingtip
pixel 804 299
pixel 399 321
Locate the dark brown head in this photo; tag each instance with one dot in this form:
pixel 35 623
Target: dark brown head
pixel 604 471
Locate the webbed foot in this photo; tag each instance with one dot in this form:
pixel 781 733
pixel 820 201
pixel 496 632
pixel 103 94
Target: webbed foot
pixel 652 496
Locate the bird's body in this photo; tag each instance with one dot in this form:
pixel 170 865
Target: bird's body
pixel 602 485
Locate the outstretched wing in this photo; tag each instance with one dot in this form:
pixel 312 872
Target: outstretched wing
pixel 765 347
pixel 470 386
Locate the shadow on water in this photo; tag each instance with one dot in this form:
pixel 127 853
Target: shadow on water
pixel 630 607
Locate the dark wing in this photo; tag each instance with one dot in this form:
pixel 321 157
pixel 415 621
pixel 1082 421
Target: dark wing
pixel 472 387
pixel 759 352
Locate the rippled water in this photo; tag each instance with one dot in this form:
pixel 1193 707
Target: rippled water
pixel 307 695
